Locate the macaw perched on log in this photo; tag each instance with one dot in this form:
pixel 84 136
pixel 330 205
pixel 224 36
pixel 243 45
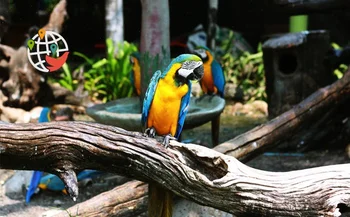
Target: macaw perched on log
pixel 213 81
pixel 164 110
pixel 135 74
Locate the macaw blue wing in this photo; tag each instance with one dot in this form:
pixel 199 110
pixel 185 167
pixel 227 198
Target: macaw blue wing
pixel 51 182
pixel 185 101
pixel 149 96
pixel 85 174
pixel 34 182
pixel 44 115
pixel 218 77
pixel 54 183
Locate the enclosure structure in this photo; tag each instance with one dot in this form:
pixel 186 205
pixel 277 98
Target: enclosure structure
pixel 295 67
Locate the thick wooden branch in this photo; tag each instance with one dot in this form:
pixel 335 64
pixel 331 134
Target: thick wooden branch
pixel 307 113
pixel 190 171
pixel 116 202
pixel 57 17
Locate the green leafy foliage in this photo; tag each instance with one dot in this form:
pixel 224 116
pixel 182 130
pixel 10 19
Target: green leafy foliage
pixel 105 79
pixel 108 78
pixel 247 71
pixel 68 79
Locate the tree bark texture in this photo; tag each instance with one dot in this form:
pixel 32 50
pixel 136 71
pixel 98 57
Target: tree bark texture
pixel 114 20
pixel 194 172
pixel 127 200
pixel 155 39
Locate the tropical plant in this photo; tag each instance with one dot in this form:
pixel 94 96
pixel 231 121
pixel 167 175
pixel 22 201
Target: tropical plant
pixel 108 78
pixel 68 79
pixel 247 71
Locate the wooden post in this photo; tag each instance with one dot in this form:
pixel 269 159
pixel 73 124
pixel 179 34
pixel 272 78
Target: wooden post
pixel 155 40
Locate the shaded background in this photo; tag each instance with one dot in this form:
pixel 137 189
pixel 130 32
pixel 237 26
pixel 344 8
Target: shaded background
pixel 85 28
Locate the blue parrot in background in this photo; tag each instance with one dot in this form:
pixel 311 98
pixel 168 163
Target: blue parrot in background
pixel 164 110
pixel 135 74
pixel 213 81
pixel 50 181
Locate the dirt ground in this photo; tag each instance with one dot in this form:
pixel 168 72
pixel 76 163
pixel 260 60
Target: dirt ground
pixel 231 125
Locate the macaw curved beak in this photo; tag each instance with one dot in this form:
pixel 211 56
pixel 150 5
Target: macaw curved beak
pixel 197 73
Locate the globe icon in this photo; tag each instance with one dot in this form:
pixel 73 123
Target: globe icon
pixel 43 44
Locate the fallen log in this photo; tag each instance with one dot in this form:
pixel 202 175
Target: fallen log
pixel 190 171
pixel 295 125
pixel 116 202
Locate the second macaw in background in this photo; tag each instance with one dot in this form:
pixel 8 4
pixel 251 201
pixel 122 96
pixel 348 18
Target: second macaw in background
pixel 164 110
pixel 213 81
pixel 135 74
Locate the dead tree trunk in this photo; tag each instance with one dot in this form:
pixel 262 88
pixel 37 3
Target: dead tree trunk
pixel 190 171
pixel 26 87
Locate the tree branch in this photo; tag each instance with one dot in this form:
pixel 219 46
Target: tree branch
pixel 307 113
pixel 191 171
pixel 116 202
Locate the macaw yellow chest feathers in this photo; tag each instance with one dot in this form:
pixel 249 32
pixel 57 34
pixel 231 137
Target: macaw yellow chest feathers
pixel 165 108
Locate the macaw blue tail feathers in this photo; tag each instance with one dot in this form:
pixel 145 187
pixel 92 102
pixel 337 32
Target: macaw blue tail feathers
pixel 33 184
pixel 160 202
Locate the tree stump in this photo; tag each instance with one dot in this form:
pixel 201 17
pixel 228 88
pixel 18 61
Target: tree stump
pixel 295 68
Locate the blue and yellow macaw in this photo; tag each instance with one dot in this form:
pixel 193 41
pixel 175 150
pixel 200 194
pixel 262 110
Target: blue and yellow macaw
pixel 135 74
pixel 213 81
pixel 164 110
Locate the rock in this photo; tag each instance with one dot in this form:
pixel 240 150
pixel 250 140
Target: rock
pixel 18 181
pixel 190 209
pixel 196 89
pixel 57 202
pixel 51 212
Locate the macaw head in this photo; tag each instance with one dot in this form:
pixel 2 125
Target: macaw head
pixel 203 52
pixel 134 58
pixel 191 68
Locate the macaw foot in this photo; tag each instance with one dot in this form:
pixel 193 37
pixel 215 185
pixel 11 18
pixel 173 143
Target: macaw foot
pixel 167 139
pixel 150 132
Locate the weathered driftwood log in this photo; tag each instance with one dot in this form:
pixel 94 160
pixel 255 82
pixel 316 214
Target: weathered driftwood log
pixel 116 202
pixel 295 125
pixel 277 129
pixel 190 171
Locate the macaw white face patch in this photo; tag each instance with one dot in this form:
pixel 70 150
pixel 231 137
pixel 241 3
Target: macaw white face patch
pixel 188 67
